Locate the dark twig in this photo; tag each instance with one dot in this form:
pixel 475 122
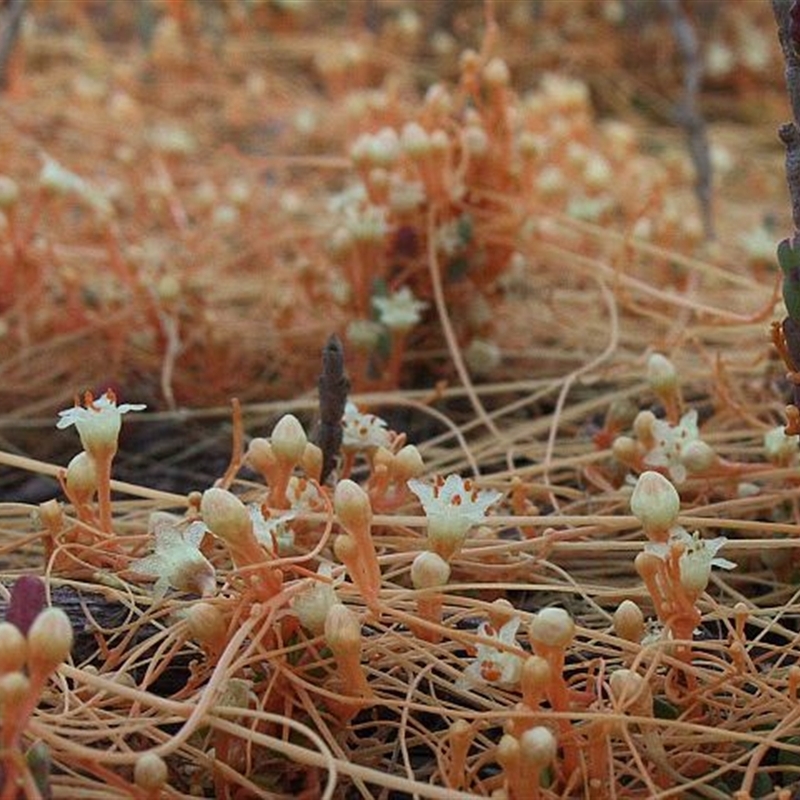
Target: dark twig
pixel 786 336
pixel 687 113
pixel 789 132
pixel 333 388
pixel 13 11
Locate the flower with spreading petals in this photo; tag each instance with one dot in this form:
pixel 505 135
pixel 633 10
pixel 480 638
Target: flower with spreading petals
pixel 272 532
pixel 452 505
pixel 177 561
pixel 98 421
pixel 491 665
pixel 670 443
pixel 399 311
pixel 361 431
pixel 698 557
pixel 311 605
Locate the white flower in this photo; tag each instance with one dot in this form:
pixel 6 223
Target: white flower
pixel 177 560
pixel 363 431
pixel 399 311
pixel 272 532
pixel 492 665
pixel 452 506
pixel 304 495
pixel 312 604
pixel 695 562
pixel 670 443
pixel 780 449
pixel 98 423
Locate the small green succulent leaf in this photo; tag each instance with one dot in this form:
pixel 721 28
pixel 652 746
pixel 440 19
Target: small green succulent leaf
pixel 789 261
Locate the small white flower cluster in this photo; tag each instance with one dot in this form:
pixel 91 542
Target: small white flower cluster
pixel 177 561
pixel 491 665
pixel 363 432
pixel 399 311
pixel 697 558
pixel 679 447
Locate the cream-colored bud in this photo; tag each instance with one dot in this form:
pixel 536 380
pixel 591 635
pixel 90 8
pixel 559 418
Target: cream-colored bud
pixel 51 515
pixel 414 140
pixel 9 192
pixel 661 374
pixel 345 548
pixel 535 676
pixel 440 141
pixel 311 462
pixel 553 627
pixel 49 640
pixel 226 516
pixel 14 689
pixel 655 502
pixel 698 457
pixel 408 463
pixel 429 571
pixel 352 505
pixel 624 449
pixel 629 621
pixel 260 456
pixel 81 477
pixel 643 425
pixel 13 648
pixel 206 623
pixel 342 630
pixel 496 73
pixel 537 747
pixel 288 440
pixel 313 604
pixel 632 691
pixel 150 772
pixel 507 752
pixel 647 565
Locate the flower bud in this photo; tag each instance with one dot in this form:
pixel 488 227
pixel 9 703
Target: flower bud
pixel 537 748
pixel 535 677
pixel 311 462
pixel 14 689
pixel 698 457
pixel 13 648
pixel 632 691
pixel 661 374
pixel 415 140
pixel 49 640
pixel 352 505
pixel 150 772
pixel 408 463
pixel 629 621
pixel 552 627
pixel 206 623
pixel 313 604
pixel 9 192
pixel 260 456
pixel 81 477
pixel 655 502
pixel 429 571
pixel 643 427
pixel 288 440
pixel 496 73
pixel 226 516
pixel 342 630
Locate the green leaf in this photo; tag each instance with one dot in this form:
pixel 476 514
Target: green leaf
pixel 789 261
